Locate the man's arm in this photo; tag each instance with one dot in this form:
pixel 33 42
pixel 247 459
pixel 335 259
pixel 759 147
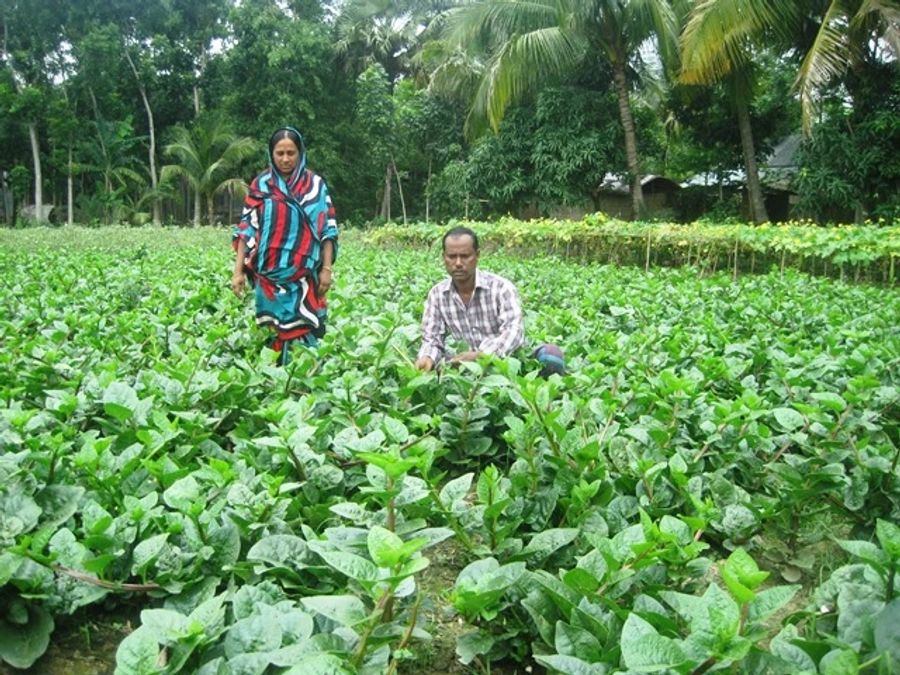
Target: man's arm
pixel 433 334
pixel 512 325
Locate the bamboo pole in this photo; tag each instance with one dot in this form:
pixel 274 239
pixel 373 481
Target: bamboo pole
pixel 735 274
pixel 647 256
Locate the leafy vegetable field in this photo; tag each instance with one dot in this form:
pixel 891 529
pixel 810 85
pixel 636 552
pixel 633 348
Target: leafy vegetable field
pixel 714 485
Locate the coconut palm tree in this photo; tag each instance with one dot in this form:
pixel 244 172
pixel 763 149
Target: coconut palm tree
pixel 387 32
pixel 518 46
pixel 718 33
pixel 206 154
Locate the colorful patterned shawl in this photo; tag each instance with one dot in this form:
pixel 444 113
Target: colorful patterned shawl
pixel 283 225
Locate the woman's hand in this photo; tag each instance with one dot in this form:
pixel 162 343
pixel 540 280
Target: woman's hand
pixel 324 280
pixel 238 281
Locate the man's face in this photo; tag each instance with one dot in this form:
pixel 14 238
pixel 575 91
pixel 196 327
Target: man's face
pixel 460 258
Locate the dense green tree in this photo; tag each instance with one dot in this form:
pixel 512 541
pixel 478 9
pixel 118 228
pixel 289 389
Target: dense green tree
pixel 30 52
pixel 520 47
pixel 577 140
pixel 717 45
pixel 850 163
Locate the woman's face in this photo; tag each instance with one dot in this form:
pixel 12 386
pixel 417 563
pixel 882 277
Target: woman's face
pixel 285 155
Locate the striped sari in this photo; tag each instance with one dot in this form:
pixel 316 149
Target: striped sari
pixel 283 225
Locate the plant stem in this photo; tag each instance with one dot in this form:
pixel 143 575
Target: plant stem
pixel 112 585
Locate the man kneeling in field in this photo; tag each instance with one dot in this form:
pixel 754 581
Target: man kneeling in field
pixel 478 307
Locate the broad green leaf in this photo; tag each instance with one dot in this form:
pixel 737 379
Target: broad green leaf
pixel 581 581
pixel 226 540
pixel 830 400
pixel 769 601
pixel 677 528
pixel 166 625
pixel 645 650
pixel 353 566
pixel 297 626
pixel 570 665
pixel 182 494
pixel 456 489
pixel 393 466
pixel 248 599
pixel 9 564
pixel 887 632
pixel 138 654
pixel 575 641
pixel 788 418
pixel 120 401
pixel 146 553
pixel 745 568
pixel 24 641
pixel 544 543
pixel 319 664
pixel 346 610
pixel 889 538
pixel 471 645
pixel 385 547
pixel 740 592
pixel 279 549
pixel 58 503
pixel 865 550
pixel 211 615
pixel 782 646
pixel 839 662
pixel 258 633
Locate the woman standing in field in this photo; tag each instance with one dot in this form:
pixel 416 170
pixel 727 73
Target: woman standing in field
pixel 286 242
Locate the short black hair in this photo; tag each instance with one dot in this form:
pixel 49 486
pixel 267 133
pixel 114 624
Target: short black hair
pixel 281 134
pixel 459 232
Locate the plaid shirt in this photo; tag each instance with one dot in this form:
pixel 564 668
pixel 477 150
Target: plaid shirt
pixel 491 322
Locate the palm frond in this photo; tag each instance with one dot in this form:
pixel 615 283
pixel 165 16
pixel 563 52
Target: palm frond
pixel 172 171
pixel 236 184
pixel 524 62
pixel 482 24
pixel 654 18
pixel 884 13
pixel 717 33
pixel 826 59
pixel 458 75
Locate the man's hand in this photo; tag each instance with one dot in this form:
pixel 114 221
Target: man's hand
pixel 238 280
pixel 424 363
pixel 464 356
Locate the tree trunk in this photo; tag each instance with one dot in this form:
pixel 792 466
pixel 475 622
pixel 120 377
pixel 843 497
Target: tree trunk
pixel 754 188
pixel 631 154
pixel 428 192
pixel 211 209
pixel 102 144
pixel 70 193
pixel 200 71
pixel 9 205
pixel 399 189
pixel 197 199
pixel 38 178
pixel 386 197
pixel 153 179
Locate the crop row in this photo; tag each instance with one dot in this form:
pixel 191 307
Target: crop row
pixel 847 251
pixel 711 436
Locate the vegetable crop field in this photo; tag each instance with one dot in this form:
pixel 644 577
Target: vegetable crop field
pixel 713 485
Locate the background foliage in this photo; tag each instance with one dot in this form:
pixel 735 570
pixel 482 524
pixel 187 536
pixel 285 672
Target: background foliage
pixel 97 90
